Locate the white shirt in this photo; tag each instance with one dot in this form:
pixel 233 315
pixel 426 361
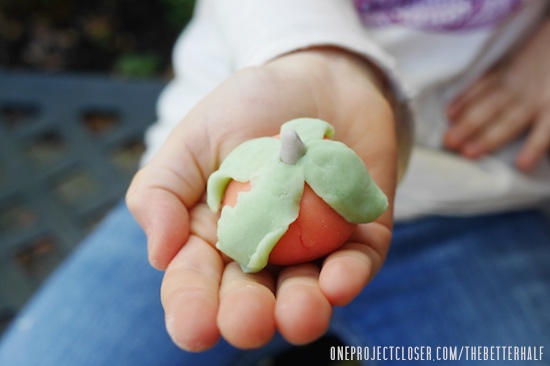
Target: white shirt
pixel 426 68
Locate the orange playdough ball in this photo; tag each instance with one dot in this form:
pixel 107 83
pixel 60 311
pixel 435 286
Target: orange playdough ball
pixel 318 230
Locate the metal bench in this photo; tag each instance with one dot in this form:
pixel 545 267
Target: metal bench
pixel 69 146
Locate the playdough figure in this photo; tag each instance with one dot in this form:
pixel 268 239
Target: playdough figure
pixel 291 198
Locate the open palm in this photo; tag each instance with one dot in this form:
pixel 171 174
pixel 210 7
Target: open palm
pixel 204 294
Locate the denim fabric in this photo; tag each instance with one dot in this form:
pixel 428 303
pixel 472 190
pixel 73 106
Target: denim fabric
pixel 480 281
pixel 477 281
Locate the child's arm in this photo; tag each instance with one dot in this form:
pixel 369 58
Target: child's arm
pixel 509 100
pixel 203 294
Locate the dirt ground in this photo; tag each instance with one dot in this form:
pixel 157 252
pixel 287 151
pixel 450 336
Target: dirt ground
pixel 132 38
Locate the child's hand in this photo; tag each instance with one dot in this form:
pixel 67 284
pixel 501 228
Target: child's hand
pixel 204 294
pixel 509 100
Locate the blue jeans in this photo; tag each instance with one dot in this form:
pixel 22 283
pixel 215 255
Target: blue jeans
pixel 479 281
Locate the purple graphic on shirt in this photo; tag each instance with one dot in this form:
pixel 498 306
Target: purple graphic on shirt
pixel 437 15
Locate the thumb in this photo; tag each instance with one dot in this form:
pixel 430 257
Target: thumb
pixel 165 189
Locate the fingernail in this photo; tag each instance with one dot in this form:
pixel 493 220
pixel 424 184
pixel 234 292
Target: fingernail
pixel 453 138
pixel 151 255
pixel 451 111
pixel 472 151
pixel 525 162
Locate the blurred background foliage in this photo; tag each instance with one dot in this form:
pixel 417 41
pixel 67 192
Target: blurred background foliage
pixel 129 38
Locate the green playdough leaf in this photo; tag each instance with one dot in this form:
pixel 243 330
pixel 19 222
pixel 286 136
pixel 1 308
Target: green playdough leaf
pixel 248 231
pixel 337 175
pixel 242 165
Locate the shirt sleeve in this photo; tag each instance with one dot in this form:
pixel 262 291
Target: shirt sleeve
pixel 259 30
pixel 225 36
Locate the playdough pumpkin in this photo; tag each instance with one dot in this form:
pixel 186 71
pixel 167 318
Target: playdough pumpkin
pixel 291 199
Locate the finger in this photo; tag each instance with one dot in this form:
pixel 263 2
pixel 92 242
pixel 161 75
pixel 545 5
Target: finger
pixel 538 143
pixel 204 223
pixel 348 270
pixel 476 116
pixel 302 311
pixel 477 89
pixel 189 295
pixel 508 125
pixel 247 302
pixel 163 190
pixel 163 217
